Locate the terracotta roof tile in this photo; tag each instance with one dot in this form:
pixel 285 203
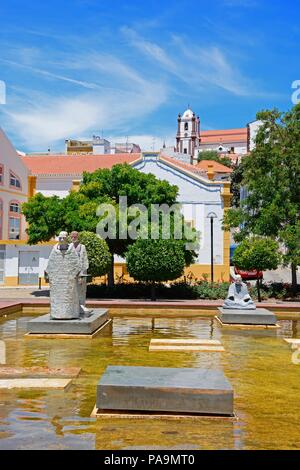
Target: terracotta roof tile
pixel 216 167
pixel 74 164
pixel 223 136
pixel 185 166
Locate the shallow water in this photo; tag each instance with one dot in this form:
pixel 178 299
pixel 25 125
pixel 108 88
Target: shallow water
pixel 257 363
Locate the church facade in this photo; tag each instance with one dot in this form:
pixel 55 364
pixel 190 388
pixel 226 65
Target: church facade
pixel 191 139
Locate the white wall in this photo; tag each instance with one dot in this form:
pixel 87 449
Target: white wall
pixel 54 185
pixel 198 199
pixel 12 257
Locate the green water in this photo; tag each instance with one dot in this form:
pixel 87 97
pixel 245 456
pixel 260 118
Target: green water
pixel 257 363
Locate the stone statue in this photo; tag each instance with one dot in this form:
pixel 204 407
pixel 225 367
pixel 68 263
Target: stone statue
pixel 238 296
pixel 84 263
pixel 63 269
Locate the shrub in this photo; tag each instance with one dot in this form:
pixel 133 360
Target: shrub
pixel 98 253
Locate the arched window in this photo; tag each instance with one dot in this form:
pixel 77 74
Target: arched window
pixel 186 126
pixel 1 218
pixel 1 174
pixel 14 207
pixel 14 220
pixel 14 181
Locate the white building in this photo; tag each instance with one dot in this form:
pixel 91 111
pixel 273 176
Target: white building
pixel 190 139
pixel 188 132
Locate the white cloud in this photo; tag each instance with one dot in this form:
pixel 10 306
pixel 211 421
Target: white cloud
pixel 49 120
pixel 53 120
pixel 198 66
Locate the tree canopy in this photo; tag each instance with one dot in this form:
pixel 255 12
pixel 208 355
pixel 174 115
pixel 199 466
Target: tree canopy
pixel 98 253
pixel 271 178
pixel 257 254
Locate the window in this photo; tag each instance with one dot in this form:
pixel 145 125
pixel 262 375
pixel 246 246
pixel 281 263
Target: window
pixel 14 180
pixel 14 228
pixel 184 150
pixel 14 220
pixel 1 174
pixel 1 218
pixel 186 126
pixel 14 207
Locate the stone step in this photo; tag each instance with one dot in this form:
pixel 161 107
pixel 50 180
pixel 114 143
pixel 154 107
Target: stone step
pixel 185 341
pixel 183 347
pixel 34 383
pixel 35 372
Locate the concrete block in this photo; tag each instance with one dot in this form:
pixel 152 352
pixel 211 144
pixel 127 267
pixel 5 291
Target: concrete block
pixel 260 316
pixel 161 389
pixel 84 326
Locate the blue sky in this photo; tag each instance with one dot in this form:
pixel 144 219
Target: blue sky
pixel 75 68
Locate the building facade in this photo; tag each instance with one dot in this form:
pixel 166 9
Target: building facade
pixel 200 193
pixel 190 139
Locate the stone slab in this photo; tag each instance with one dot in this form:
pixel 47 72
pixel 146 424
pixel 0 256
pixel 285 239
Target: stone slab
pixel 259 316
pixel 35 372
pixel 294 342
pixel 34 383
pixel 161 389
pixel 185 347
pixel 185 341
pixel 84 326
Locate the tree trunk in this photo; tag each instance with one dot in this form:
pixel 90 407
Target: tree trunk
pixel 153 293
pixel 258 289
pixel 111 273
pixel 294 279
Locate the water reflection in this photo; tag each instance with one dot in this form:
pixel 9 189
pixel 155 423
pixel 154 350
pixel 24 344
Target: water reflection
pixel 257 364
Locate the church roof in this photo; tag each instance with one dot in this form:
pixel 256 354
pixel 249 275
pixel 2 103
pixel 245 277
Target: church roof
pixel 188 114
pixel 184 166
pixel 224 136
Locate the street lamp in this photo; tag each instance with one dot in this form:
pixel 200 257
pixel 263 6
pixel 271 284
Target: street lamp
pixel 211 216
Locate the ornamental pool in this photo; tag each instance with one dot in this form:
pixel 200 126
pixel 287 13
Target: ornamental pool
pixel 258 363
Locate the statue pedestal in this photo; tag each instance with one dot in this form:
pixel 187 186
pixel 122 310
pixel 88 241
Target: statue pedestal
pixel 43 325
pixel 164 389
pixel 259 316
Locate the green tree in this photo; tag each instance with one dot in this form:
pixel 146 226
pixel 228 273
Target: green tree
pixel 258 254
pixel 236 179
pixel 98 253
pixel 45 216
pixel 272 180
pixel 156 261
pixel 214 155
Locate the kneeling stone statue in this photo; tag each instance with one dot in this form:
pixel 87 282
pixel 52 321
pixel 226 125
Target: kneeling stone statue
pixel 238 296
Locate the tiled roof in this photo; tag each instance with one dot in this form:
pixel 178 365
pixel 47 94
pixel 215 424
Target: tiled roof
pixel 223 136
pixel 184 166
pixel 216 167
pixel 75 164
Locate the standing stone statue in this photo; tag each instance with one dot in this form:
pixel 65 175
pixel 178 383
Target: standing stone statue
pixel 63 269
pixel 238 296
pixel 84 264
